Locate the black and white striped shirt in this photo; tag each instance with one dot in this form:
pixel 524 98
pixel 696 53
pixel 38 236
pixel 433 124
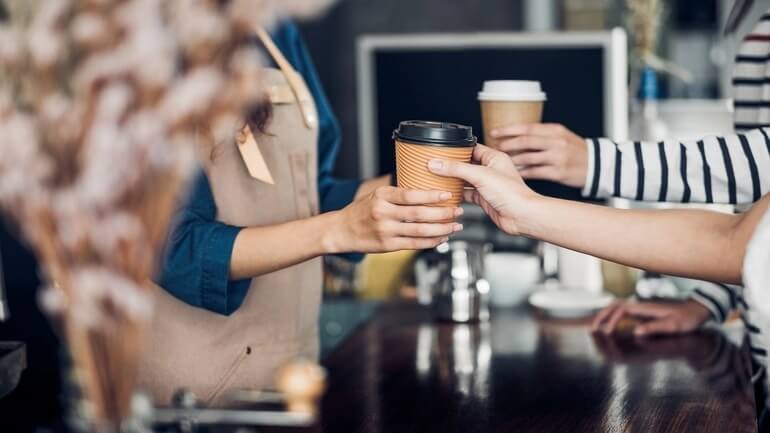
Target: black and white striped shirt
pixel 732 169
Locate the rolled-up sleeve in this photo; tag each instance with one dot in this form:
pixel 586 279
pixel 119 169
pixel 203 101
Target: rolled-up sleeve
pixel 196 268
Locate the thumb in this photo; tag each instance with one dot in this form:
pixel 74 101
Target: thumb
pixel 473 174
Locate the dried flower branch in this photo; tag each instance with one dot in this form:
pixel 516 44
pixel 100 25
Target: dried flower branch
pixel 644 22
pixel 99 108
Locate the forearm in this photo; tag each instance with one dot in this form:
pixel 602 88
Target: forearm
pixel 261 250
pixel 375 223
pixel 694 244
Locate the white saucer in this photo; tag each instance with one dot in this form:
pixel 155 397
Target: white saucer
pixel 569 303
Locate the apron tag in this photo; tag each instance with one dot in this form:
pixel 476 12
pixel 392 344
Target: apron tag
pixel 252 156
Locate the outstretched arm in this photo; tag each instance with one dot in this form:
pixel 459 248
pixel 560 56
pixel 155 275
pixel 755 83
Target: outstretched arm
pixel 689 243
pixel 208 264
pixel 696 244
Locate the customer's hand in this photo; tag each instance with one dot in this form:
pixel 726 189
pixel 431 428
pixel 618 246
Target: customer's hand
pixel 546 152
pixel 658 318
pixel 393 219
pixel 499 189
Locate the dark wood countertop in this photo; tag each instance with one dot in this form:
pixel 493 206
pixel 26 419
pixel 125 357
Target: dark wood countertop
pixel 404 373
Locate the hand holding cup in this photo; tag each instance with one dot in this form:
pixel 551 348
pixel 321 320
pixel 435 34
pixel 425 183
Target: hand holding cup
pixel 497 187
pixel 394 219
pixel 545 152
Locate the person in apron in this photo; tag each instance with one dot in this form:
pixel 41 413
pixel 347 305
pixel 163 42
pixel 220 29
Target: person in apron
pixel 211 338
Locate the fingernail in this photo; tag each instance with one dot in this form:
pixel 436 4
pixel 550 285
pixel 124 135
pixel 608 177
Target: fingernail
pixel 459 211
pixel 445 195
pixel 436 164
pixel 458 228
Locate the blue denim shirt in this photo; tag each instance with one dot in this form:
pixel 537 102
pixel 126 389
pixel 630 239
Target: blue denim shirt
pixel 197 261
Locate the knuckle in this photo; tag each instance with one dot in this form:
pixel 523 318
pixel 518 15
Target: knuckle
pixel 378 211
pixel 381 192
pixel 381 231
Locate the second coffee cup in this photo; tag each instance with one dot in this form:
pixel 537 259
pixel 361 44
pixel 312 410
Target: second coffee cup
pixel 418 141
pixel 508 103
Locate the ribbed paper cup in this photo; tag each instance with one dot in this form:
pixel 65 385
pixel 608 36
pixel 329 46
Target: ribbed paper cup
pixel 412 159
pixel 509 103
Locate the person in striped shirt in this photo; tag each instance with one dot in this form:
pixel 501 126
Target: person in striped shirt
pixel 698 244
pixel 732 169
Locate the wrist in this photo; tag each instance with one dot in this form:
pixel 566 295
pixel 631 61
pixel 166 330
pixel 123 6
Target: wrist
pixel 530 214
pixel 332 236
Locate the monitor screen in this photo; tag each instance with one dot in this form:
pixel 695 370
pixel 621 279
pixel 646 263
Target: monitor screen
pixel 441 83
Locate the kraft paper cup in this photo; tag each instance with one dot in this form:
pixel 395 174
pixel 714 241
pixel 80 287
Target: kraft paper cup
pixel 508 103
pixel 412 170
pixel 412 159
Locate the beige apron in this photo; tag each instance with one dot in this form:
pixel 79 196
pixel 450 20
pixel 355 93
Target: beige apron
pixel 210 354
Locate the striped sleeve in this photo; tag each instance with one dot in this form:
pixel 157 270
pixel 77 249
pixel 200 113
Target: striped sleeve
pixel 732 169
pixel 719 299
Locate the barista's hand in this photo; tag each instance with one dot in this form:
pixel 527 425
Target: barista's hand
pixel 499 189
pixel 546 152
pixel 393 219
pixel 658 318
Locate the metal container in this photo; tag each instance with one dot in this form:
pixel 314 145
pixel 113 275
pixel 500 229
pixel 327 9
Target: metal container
pixel 451 280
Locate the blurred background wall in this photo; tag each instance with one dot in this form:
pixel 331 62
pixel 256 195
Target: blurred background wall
pixel 691 37
pixel 332 41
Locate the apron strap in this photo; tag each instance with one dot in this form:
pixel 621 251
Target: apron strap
pixel 297 84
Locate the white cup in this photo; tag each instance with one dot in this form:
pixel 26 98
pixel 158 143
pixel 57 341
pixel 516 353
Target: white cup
pixel 511 276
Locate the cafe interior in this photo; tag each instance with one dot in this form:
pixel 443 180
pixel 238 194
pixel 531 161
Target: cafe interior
pixel 363 263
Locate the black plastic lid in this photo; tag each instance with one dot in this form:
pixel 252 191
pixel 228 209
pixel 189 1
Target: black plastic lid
pixel 435 133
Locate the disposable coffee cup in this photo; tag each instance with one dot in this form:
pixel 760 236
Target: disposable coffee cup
pixel 419 141
pixel 508 103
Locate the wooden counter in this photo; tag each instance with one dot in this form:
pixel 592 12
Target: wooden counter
pixel 404 373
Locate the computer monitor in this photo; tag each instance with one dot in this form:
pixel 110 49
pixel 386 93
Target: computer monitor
pixel 438 76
